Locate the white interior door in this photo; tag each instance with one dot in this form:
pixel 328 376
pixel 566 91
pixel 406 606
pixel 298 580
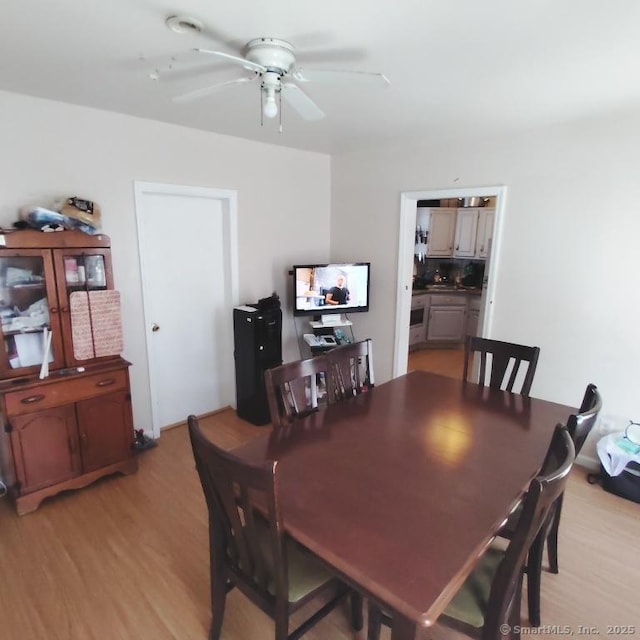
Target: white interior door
pixel 188 254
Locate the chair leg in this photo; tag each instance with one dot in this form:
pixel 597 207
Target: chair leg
pixel 218 601
pixel 281 620
pixel 356 610
pixel 375 622
pixel 515 620
pixel 534 577
pixel 552 538
pixel 552 550
pixel 220 586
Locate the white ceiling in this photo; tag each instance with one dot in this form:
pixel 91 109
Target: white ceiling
pixel 456 67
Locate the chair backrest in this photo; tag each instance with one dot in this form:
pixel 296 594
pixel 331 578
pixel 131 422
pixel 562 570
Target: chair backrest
pixel 542 493
pixel 296 388
pixel 581 423
pixel 248 547
pixel 503 354
pixel 352 368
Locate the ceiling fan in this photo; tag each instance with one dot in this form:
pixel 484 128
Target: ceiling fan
pixel 272 63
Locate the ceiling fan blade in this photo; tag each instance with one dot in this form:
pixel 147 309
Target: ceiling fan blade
pixel 247 64
pixel 336 76
pixel 340 55
pixel 205 91
pixel 301 102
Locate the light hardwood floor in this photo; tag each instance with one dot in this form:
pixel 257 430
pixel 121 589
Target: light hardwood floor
pixel 126 559
pixel 446 362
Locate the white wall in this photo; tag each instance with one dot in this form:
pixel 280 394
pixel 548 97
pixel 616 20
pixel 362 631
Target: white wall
pixel 51 150
pixel 568 273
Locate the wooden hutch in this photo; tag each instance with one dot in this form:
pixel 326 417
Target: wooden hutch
pixel 74 425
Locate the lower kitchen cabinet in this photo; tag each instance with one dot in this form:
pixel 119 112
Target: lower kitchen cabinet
pixel 473 316
pixel 447 322
pixel 417 335
pixel 472 322
pixel 66 431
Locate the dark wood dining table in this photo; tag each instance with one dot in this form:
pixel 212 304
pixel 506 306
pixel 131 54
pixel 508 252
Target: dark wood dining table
pixel 401 489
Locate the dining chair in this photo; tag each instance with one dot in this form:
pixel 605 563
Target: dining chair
pixel 503 354
pixel 578 425
pixel 352 368
pixel 490 597
pixel 297 388
pixel 248 548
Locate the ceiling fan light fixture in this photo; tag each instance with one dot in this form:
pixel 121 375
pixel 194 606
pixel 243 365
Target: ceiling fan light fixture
pixel 270 108
pixel 270 86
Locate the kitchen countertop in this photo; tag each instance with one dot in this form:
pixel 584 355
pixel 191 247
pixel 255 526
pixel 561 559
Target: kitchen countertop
pixel 472 291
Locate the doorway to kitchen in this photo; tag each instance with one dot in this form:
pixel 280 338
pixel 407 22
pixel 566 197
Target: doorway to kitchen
pixel 440 360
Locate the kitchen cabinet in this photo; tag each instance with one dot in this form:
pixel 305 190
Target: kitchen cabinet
pixel 442 228
pixel 466 231
pixel 447 318
pixel 484 234
pixel 474 232
pixel 74 425
pixel 473 316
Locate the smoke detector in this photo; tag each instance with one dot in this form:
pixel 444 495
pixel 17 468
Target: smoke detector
pixel 184 24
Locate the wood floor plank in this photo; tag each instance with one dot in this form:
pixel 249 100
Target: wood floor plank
pixel 446 362
pixel 126 558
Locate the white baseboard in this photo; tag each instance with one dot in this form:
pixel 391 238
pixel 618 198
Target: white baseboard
pixel 588 462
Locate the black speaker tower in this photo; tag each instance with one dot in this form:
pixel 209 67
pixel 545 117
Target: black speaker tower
pixel 257 332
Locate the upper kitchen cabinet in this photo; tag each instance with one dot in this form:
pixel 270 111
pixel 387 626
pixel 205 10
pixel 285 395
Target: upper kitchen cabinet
pixel 484 235
pixel 38 273
pixel 474 231
pixel 442 229
pixel 466 231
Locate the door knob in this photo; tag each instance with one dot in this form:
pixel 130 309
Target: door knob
pixel 155 327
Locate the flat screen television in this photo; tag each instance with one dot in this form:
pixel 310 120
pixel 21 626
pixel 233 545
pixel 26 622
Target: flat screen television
pixel 322 289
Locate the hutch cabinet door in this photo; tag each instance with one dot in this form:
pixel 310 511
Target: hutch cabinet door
pixel 45 447
pixel 79 270
pixel 28 305
pixel 105 425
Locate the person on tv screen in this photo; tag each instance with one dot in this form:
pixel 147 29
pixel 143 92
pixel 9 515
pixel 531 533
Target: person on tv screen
pixel 338 294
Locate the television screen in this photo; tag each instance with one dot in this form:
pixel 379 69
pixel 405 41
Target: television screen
pixel 331 288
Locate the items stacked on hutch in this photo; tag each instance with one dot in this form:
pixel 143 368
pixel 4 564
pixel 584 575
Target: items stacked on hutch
pixel 65 399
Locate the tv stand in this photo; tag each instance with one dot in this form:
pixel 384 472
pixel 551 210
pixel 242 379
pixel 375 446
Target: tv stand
pixel 324 337
pixel 319 322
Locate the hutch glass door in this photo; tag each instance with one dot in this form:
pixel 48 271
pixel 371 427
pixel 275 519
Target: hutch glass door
pixel 28 307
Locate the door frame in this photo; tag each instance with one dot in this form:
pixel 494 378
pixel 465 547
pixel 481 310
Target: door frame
pixel 229 202
pixel 406 243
